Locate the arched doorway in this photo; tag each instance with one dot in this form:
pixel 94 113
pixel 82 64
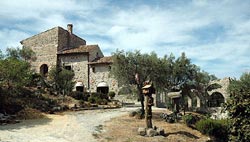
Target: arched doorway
pixel 216 100
pixel 102 88
pixel 79 86
pixel 44 70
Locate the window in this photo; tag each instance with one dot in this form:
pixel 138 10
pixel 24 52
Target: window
pixel 97 55
pixel 67 67
pixel 44 70
pixel 93 69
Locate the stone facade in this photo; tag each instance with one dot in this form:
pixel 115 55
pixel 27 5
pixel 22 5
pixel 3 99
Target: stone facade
pixel 100 73
pixel 46 40
pixel 224 85
pixel 77 63
pixel 61 47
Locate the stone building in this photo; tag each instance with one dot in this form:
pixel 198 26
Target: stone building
pixel 211 103
pixel 60 47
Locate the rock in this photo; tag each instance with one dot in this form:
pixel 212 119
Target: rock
pixel 160 131
pixel 151 132
pixel 142 131
pixel 58 108
pixel 132 113
pixel 1 115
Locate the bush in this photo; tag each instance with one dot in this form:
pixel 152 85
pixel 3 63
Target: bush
pixel 190 119
pixel 111 94
pixel 98 98
pixel 217 128
pixel 91 99
pixel 238 107
pixel 29 113
pixel 79 95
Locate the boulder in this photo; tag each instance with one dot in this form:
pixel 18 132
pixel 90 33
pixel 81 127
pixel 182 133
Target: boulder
pixel 56 109
pixel 151 132
pixel 142 131
pixel 132 113
pixel 1 115
pixel 160 131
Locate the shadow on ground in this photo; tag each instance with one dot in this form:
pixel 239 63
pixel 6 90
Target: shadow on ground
pixel 183 133
pixel 26 124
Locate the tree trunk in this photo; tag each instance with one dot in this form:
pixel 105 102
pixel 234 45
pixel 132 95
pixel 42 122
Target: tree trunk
pixel 141 98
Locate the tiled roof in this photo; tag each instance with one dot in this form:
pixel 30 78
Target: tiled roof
pixel 80 49
pixel 103 60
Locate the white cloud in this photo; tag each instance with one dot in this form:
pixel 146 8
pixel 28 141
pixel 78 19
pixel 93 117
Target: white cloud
pixel 162 28
pixel 11 38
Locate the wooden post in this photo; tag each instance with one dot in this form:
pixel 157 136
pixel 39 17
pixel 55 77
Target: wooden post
pixel 148 117
pixel 148 90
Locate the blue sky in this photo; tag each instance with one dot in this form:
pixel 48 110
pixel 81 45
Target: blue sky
pixel 214 34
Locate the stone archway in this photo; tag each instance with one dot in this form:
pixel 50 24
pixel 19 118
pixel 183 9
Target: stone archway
pixel 79 87
pixel 102 87
pixel 44 69
pixel 216 100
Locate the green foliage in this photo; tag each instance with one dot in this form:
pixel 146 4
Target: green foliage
pixel 62 80
pixel 238 107
pixel 213 86
pixel 21 54
pixel 217 128
pixel 79 95
pixel 98 98
pixel 190 119
pixel 166 73
pixel 14 73
pixel 1 55
pixel 111 94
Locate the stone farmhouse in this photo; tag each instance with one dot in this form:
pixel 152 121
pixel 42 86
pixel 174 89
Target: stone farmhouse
pixel 60 47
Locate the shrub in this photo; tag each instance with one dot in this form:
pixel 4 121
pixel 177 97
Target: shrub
pixel 238 107
pixel 79 95
pixel 29 113
pixel 91 99
pixel 98 98
pixel 111 94
pixel 217 128
pixel 190 119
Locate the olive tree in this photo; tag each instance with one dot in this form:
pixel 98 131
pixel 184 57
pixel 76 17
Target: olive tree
pixel 238 106
pixel 62 80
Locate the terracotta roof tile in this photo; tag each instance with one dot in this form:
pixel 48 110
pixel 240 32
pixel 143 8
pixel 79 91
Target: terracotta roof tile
pixel 80 49
pixel 103 60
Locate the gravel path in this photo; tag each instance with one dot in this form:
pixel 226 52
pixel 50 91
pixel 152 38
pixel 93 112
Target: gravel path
pixel 70 127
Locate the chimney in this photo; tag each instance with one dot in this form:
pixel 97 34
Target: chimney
pixel 70 28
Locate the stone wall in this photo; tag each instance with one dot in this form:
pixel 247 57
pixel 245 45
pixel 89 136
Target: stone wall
pixel 223 90
pixel 45 47
pixel 48 43
pixel 101 74
pixel 79 64
pixel 93 54
pixel 67 40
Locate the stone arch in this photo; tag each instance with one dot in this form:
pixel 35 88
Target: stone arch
pixel 79 87
pixel 216 100
pixel 102 87
pixel 44 69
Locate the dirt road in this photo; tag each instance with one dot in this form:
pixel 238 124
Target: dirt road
pixel 70 127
